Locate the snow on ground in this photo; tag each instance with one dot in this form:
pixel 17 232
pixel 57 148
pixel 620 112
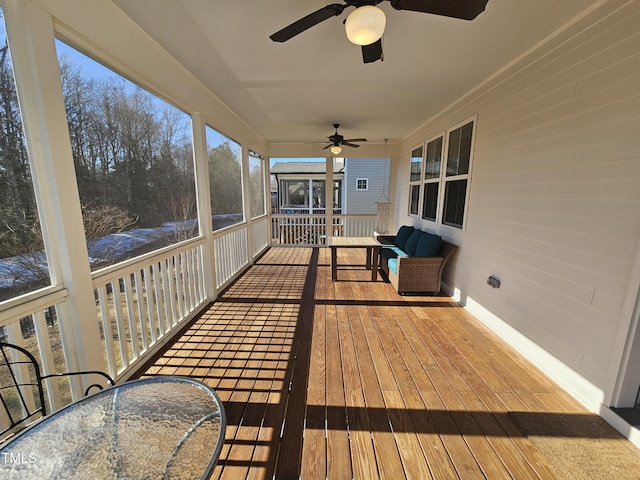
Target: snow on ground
pixel 115 245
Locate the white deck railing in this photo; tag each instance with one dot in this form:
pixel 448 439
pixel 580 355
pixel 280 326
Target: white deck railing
pixel 231 254
pixel 296 229
pixel 260 235
pixel 32 322
pixel 143 300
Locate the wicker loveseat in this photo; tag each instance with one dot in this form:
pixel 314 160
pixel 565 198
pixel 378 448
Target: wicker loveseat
pixel 413 260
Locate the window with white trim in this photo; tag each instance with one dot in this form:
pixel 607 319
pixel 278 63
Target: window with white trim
pixel 362 184
pixel 414 179
pixel 444 174
pixel 432 162
pixel 456 180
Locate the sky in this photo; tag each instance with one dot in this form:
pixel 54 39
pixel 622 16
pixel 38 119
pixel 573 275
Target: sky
pixel 94 69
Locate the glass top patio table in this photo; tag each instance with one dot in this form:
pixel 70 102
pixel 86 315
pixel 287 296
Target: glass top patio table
pixel 163 427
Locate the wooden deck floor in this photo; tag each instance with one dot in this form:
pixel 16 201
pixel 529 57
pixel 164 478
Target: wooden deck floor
pixel 347 379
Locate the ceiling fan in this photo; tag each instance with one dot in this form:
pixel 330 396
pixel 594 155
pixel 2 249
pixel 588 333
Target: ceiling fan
pixel 336 141
pixel 365 25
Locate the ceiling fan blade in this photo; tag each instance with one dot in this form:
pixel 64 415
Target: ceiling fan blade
pixel 307 22
pixel 373 52
pixel 464 9
pixel 354 140
pixel 330 145
pixel 352 145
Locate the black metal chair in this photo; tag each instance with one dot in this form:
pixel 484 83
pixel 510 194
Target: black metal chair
pixel 22 388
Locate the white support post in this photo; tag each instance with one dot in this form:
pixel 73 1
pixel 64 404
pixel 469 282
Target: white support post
pixel 203 196
pixel 246 200
pixel 267 180
pixel 328 194
pixel 31 38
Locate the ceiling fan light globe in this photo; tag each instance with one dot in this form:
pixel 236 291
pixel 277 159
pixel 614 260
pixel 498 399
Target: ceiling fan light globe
pixel 365 25
pixel 336 150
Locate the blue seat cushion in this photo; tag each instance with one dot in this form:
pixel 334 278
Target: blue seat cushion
pixel 388 252
pixel 412 242
pixel 392 263
pixel 428 245
pixel 403 235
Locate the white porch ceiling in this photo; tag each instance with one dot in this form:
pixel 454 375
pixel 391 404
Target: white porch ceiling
pixel 292 92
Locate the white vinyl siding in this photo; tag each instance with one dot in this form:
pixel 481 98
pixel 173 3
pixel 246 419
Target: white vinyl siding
pixel 375 171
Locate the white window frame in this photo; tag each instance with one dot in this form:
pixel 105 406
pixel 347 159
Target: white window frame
pixel 366 184
pixel 416 183
pixel 443 179
pixel 437 180
pixel 466 176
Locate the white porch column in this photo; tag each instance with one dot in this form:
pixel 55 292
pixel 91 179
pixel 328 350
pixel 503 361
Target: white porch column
pixel 31 39
pixel 203 199
pixel 246 200
pixel 328 194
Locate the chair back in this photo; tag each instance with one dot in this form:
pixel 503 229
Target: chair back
pixel 23 384
pixel 21 391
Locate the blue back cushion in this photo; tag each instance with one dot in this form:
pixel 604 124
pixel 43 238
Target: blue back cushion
pixel 428 245
pixel 412 242
pixel 403 235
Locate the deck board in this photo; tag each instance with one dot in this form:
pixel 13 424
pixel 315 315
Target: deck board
pixel 348 379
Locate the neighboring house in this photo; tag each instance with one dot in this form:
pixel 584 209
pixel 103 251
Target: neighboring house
pixel 301 187
pixel 358 184
pixel 365 179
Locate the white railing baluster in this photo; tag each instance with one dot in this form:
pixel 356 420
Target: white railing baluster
pixel 157 291
pixel 107 331
pixel 144 337
pixel 46 358
pixel 184 265
pixel 152 319
pixel 131 316
pixel 122 334
pixel 174 289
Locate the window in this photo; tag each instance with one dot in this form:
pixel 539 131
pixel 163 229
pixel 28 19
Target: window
pixel 295 195
pixel 454 199
pixel 430 201
pixel 414 198
pixel 133 158
pixel 256 182
pixel 23 264
pixel 457 174
pixel 414 179
pixel 432 162
pixel 416 164
pixel 445 176
pixel 362 184
pixel 225 179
